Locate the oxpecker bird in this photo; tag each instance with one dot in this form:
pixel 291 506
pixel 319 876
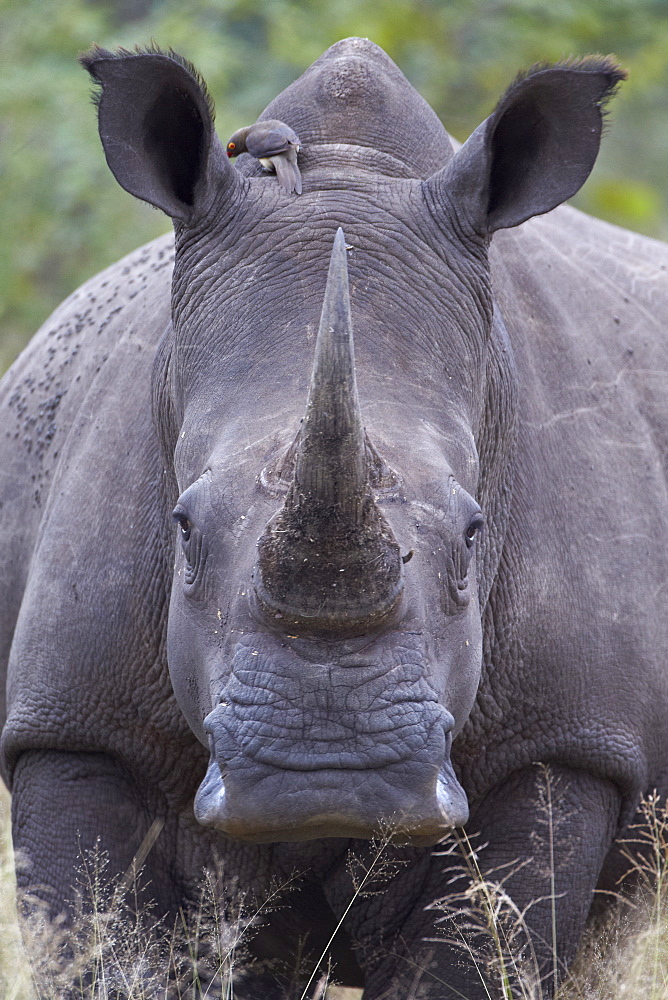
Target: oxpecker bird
pixel 275 145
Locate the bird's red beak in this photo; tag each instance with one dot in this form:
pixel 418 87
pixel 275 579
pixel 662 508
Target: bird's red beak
pixel 230 155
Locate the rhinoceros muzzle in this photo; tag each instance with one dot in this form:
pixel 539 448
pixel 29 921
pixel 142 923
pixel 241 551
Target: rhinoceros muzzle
pixel 347 748
pixel 263 804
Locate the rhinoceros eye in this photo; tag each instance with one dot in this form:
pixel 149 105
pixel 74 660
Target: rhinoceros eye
pixel 474 527
pixel 183 523
pixel 193 547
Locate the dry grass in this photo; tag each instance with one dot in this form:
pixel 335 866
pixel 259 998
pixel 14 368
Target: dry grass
pixel 15 979
pixel 627 959
pixel 624 957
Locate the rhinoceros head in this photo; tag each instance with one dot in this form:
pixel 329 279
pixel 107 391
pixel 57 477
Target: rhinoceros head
pixel 341 508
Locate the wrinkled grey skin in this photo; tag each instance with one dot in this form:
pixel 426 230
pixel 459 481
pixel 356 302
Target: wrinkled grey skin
pixel 527 380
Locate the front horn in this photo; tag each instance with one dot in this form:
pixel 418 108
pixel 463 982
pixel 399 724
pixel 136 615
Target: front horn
pixel 328 561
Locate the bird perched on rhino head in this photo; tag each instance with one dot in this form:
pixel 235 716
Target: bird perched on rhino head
pixel 275 145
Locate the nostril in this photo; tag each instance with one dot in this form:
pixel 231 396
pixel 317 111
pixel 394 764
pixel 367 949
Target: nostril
pixel 216 759
pixel 448 721
pixel 219 728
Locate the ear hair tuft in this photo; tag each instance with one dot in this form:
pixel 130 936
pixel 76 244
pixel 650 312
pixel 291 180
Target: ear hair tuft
pixel 96 54
pixel 593 64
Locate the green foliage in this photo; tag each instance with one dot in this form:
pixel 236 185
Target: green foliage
pixel 63 217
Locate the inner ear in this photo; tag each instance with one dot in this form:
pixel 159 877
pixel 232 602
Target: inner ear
pixel 519 144
pixel 155 118
pixel 174 139
pixel 534 151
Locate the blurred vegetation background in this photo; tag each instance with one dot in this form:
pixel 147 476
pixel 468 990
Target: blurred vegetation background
pixel 63 217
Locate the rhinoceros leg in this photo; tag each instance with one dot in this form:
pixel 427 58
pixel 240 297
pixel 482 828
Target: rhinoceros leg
pixel 568 836
pixel 66 807
pixel 67 804
pixel 564 822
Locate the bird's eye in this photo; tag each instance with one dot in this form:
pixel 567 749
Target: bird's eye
pixel 473 529
pixel 231 145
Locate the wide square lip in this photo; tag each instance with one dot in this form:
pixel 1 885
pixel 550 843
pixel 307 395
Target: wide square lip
pixel 308 813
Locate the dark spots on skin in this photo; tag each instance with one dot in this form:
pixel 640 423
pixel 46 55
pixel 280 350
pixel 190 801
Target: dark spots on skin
pixel 70 355
pixel 110 315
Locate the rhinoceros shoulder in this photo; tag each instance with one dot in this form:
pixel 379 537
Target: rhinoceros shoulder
pixel 78 391
pixel 560 269
pixel 586 308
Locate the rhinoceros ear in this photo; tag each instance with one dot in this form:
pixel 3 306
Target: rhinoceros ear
pixel 156 125
pixel 535 150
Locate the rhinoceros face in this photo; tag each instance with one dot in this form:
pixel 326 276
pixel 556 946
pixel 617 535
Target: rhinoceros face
pixel 325 633
pixel 324 629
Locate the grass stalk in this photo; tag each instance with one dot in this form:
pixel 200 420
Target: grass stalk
pixel 626 960
pixel 359 889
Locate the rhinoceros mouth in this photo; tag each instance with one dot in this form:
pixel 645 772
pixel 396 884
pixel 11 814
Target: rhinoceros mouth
pixel 304 751
pixel 278 806
pixel 409 734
